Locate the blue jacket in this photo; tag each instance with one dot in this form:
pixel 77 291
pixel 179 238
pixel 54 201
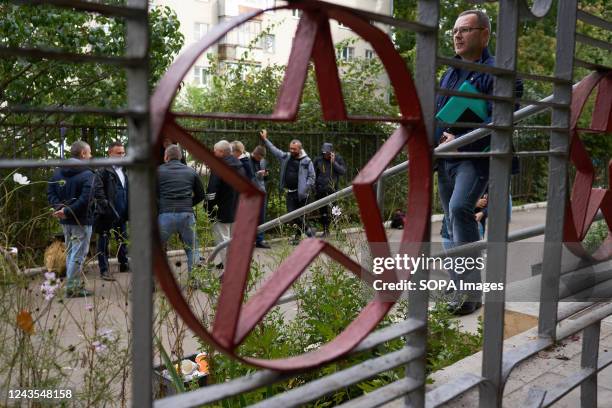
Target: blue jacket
pixel 73 189
pixel 306 174
pixel 452 79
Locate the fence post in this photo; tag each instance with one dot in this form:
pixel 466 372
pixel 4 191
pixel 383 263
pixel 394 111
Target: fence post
pixel 425 81
pixel 499 184
pixel 142 187
pixel 557 170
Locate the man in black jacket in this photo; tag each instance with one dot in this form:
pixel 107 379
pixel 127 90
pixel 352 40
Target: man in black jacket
pixel 328 169
pixel 179 188
pixel 115 215
pixel 221 199
pixel 72 193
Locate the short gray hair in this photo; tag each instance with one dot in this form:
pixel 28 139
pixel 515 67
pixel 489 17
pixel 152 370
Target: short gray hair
pixel 224 146
pixel 483 18
pixel 77 148
pixel 237 146
pixel 295 141
pixel 173 152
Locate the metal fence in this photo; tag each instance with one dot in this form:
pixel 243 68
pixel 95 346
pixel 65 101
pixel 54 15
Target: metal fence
pixel 497 364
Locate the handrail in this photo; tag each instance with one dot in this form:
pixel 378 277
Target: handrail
pixel 466 139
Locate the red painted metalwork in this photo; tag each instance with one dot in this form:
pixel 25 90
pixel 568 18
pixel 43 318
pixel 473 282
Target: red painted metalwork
pixel 233 320
pixel 585 201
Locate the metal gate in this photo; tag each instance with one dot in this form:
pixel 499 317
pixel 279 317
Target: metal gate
pixel 497 364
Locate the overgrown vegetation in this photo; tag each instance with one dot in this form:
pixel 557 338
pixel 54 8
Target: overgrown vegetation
pixel 328 299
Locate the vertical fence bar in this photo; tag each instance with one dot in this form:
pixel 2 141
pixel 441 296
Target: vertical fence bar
pixel 499 184
pixel 557 170
pixel 141 207
pixel 425 80
pixel 589 359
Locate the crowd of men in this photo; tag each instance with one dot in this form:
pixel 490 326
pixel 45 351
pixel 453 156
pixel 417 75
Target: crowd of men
pixel 462 183
pixel 87 201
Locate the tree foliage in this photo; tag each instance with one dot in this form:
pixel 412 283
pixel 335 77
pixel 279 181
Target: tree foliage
pixel 536 55
pixel 47 82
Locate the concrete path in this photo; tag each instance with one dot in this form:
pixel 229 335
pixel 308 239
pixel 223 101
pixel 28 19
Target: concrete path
pixel 111 305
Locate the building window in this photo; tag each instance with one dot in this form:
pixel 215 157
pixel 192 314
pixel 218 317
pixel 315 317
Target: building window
pixel 346 53
pixel 296 13
pixel 199 31
pixel 369 54
pixel 244 35
pixel 269 43
pixel 200 76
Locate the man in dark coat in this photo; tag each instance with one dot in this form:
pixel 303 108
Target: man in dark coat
pixel 239 152
pixel 179 189
pixel 113 220
pixel 259 169
pixel 328 168
pixel 221 199
pixel 72 193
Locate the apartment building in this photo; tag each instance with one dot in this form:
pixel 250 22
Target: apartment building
pixel 269 35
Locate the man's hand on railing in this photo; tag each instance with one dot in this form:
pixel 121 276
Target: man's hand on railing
pixel 446 137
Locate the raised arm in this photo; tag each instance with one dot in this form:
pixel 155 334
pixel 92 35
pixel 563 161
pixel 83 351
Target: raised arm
pixel 278 153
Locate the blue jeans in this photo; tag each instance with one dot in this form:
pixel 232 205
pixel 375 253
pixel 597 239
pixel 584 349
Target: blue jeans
pixel 182 223
pixel 460 186
pixel 119 233
pixel 77 239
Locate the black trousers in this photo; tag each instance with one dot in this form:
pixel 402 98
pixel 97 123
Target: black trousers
pixel 324 211
pixel 294 203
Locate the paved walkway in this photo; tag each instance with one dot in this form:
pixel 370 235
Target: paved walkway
pixel 112 308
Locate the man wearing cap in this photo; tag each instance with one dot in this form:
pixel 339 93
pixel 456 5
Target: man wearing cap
pixel 328 169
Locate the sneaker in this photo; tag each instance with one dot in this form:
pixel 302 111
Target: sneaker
pixel 77 293
pixel 262 244
pixel 107 277
pixel 219 265
pixel 124 267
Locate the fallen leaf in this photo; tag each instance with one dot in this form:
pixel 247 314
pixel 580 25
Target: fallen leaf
pixel 25 322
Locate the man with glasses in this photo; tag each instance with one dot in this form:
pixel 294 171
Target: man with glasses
pixel 462 182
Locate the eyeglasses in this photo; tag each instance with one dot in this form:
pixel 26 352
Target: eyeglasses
pixel 465 30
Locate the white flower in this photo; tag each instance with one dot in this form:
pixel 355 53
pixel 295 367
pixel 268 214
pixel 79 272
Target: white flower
pixel 312 347
pixel 20 179
pixel 89 307
pixel 336 211
pixel 49 286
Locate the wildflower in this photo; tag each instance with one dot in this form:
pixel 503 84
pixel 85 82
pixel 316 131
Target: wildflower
pixel 89 307
pixel 49 286
pixel 106 334
pixel 99 347
pixel 336 211
pixel 20 179
pixel 312 347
